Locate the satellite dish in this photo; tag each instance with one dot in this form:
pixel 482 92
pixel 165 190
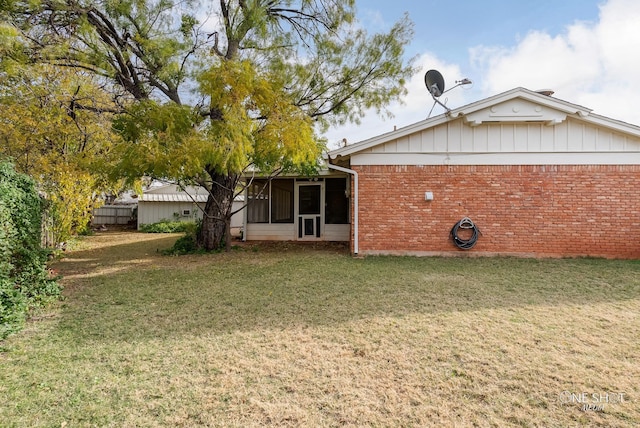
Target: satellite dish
pixel 435 82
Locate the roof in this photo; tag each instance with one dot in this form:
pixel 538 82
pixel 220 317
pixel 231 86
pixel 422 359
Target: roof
pixel 515 105
pixel 173 193
pixel 173 197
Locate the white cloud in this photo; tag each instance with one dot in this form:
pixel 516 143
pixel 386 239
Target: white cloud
pixel 416 107
pixel 592 64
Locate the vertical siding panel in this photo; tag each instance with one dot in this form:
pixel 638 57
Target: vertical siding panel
pixel 521 138
pixel 493 132
pixel 507 137
pixel 379 149
pixel 454 136
pixel 547 142
pixel 480 138
pixel 427 141
pixel 467 143
pixel 440 139
pixel 589 141
pixel 617 142
pixel 603 140
pixel 415 142
pixel 534 141
pixel 561 137
pixel 575 136
pixel 402 145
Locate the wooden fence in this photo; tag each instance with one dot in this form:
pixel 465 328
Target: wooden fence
pixel 47 236
pixel 113 214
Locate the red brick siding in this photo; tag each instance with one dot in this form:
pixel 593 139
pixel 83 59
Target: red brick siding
pixel 527 210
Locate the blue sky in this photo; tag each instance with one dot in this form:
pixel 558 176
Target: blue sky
pixel 450 28
pixel 587 51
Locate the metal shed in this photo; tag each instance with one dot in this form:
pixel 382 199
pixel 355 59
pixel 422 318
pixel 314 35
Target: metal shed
pixel 170 202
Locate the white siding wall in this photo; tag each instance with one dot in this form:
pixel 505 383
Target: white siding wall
pixel 337 232
pixel 287 232
pixel 153 212
pixel 270 232
pixel 456 142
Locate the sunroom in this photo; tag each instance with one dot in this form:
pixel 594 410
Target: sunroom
pixel 298 209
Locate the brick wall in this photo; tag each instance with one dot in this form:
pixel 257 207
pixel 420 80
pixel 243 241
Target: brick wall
pixel 521 210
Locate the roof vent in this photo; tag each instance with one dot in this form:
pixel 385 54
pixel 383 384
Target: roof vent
pixel 547 92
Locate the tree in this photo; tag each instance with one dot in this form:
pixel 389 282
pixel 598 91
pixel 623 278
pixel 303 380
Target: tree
pixel 205 100
pixel 61 147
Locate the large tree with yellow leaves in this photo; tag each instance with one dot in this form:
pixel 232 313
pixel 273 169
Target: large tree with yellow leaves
pixel 62 148
pixel 211 90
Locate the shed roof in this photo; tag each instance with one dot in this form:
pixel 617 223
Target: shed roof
pixel 173 193
pixel 173 197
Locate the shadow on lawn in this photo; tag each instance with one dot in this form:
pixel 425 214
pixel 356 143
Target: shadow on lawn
pixel 129 292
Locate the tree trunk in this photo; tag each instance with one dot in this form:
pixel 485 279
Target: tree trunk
pixel 216 219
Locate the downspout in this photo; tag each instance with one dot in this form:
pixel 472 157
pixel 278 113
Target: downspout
pixel 355 202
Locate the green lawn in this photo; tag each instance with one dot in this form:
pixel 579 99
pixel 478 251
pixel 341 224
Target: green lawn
pixel 302 336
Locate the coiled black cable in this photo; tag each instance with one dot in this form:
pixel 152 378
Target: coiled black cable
pixel 465 244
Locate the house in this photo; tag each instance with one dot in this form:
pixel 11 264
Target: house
pixel 172 203
pixel 532 174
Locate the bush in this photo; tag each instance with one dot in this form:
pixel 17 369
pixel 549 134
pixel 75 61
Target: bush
pixel 184 245
pixel 166 226
pixel 24 280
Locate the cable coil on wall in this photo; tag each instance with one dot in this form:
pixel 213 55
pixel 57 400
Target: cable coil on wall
pixel 465 224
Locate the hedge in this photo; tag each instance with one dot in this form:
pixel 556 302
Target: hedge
pixel 24 280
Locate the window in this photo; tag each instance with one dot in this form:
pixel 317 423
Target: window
pixel 280 210
pixel 258 202
pixel 282 201
pixel 337 202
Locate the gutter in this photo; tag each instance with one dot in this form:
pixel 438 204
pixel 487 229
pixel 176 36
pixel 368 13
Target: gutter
pixel 355 202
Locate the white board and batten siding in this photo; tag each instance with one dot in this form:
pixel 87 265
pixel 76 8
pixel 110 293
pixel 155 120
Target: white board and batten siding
pixel 519 127
pixel 457 143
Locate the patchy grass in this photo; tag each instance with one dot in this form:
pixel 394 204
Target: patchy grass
pixel 292 335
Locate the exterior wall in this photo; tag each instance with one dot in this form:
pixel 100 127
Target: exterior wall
pixel 530 210
pixel 270 232
pixel 153 212
pixel 456 136
pixel 571 142
pixel 336 232
pixel 287 232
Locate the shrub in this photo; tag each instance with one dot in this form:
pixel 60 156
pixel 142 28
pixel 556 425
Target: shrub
pixel 187 244
pixel 24 280
pixel 166 226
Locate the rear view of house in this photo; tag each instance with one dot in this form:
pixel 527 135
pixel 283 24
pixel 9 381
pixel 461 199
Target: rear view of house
pixel 537 176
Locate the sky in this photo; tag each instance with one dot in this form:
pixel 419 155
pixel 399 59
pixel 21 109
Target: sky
pixel 586 51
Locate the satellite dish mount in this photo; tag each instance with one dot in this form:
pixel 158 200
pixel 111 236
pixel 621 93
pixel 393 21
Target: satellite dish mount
pixel 434 82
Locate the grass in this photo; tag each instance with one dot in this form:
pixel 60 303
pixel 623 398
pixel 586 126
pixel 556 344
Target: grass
pixel 301 336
